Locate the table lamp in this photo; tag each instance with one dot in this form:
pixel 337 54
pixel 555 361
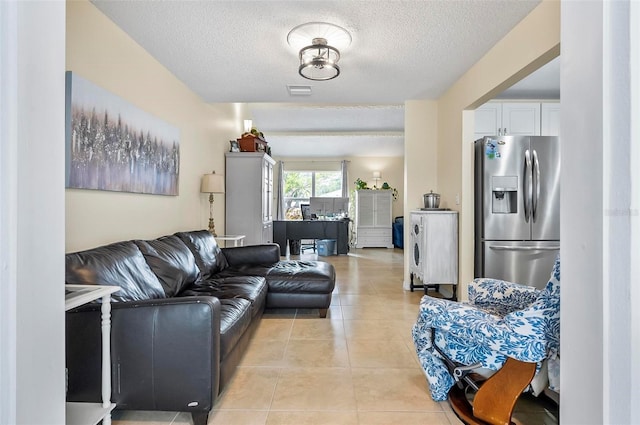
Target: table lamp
pixel 376 177
pixel 212 183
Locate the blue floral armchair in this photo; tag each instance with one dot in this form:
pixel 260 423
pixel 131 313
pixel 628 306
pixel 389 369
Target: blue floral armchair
pixel 501 320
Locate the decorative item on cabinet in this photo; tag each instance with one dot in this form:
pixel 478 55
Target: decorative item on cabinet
pixel 251 143
pixel 360 184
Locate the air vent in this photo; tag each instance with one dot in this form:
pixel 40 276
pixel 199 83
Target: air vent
pixel 299 90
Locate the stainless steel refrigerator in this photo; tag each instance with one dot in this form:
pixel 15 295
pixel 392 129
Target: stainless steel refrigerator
pixel 517 207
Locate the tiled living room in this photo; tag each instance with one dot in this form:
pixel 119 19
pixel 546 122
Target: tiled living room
pixel 357 366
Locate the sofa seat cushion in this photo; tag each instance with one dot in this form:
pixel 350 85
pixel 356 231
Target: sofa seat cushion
pixel 118 264
pixel 249 270
pixel 205 249
pixel 315 277
pixel 172 261
pixel 235 319
pixel 250 288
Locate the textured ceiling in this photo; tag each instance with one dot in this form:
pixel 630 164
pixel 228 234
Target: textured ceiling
pixel 237 51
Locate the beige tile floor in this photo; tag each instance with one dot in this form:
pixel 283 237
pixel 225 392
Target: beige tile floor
pixel 357 366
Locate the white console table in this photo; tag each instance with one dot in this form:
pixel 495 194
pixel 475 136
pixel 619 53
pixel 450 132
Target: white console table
pixel 234 238
pixel 93 413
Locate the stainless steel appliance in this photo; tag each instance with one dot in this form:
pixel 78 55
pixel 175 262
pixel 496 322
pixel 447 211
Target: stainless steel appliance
pixel 517 207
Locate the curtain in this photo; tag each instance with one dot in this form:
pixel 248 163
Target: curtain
pixel 345 180
pixel 280 193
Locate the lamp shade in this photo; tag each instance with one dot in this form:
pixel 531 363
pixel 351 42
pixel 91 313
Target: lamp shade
pixel 376 174
pixel 212 183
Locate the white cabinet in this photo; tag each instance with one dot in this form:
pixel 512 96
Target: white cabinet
pixel 434 249
pixel 550 119
pixel 249 196
pixel 517 118
pixel 507 119
pixel 373 218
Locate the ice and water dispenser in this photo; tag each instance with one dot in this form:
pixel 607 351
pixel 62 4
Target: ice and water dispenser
pixel 504 194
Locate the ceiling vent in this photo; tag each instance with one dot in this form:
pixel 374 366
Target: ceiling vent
pixel 299 90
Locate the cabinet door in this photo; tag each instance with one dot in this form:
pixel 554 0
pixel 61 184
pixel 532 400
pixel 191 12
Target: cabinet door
pixel 440 248
pixel 488 120
pixel 550 119
pixel 521 119
pixel 365 211
pixel 382 209
pixel 267 191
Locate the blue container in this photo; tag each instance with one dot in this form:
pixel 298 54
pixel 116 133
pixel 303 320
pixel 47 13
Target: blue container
pixel 398 232
pixel 327 247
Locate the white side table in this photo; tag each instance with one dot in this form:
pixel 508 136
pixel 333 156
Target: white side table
pixel 234 238
pixel 93 413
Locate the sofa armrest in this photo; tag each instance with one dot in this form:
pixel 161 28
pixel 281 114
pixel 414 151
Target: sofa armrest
pixel 496 291
pixel 165 353
pixel 252 255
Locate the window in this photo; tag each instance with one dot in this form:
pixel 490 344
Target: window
pixel 299 186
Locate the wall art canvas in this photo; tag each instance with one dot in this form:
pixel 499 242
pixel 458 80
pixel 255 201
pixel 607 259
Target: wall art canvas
pixel 113 145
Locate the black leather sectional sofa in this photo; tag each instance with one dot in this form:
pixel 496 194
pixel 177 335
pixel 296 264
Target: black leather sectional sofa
pixel 183 317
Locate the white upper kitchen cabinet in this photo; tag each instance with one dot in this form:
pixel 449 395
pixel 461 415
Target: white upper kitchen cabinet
pixel 507 119
pixel 550 119
pixel 517 118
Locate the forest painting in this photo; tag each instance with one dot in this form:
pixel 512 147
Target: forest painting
pixel 113 145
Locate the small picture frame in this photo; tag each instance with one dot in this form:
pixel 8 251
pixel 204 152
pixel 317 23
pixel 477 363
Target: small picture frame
pixel 235 146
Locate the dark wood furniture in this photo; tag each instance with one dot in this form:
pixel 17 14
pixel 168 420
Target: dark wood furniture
pixel 283 231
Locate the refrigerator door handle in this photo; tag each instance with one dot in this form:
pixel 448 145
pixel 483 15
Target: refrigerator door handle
pixel 527 185
pixel 536 186
pixel 523 248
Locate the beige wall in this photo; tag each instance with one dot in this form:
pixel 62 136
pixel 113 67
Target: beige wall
pixel 420 162
pixel 99 51
pixel 531 44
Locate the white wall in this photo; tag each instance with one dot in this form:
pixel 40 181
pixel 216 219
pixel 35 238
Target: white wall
pixel 32 212
pixel 599 215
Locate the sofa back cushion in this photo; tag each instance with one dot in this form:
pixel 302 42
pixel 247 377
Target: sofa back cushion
pixel 203 246
pixel 119 264
pixel 171 261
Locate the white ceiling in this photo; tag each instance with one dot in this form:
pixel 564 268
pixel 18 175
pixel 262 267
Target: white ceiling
pixel 236 51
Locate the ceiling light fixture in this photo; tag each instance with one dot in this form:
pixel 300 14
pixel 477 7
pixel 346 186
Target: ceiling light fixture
pixel 319 43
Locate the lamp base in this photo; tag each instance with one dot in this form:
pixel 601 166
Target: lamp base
pixel 212 227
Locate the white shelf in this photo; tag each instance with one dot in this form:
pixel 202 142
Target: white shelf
pixel 87 413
